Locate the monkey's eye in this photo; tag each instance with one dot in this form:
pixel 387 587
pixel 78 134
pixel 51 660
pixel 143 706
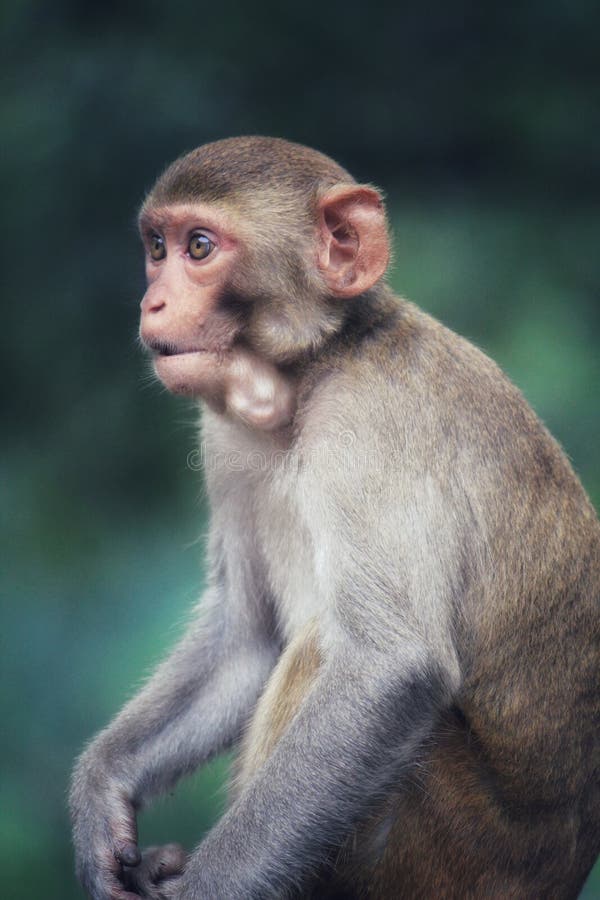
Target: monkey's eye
pixel 157 247
pixel 200 246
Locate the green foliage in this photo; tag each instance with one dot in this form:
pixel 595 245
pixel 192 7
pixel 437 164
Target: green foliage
pixel 482 125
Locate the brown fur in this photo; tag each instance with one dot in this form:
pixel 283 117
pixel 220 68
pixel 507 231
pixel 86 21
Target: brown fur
pixel 505 799
pixel 288 686
pixel 426 622
pixel 227 169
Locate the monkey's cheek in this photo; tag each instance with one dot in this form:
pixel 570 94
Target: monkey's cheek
pixel 195 374
pixel 265 406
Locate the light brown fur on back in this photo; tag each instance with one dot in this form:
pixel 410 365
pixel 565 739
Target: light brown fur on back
pixel 287 687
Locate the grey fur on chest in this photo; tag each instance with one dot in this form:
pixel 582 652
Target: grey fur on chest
pixel 264 482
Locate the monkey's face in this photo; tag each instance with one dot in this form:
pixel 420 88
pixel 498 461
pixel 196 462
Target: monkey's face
pixel 190 251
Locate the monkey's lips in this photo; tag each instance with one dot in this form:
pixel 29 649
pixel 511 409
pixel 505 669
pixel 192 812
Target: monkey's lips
pixel 189 370
pixel 168 348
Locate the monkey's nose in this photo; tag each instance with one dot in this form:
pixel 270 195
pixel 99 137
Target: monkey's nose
pixel 152 304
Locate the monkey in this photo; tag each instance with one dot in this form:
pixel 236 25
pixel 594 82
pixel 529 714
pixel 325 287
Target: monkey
pixel 400 629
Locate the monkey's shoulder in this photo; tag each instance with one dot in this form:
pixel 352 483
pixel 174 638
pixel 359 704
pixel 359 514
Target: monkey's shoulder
pixel 417 393
pixel 414 361
pixel 410 350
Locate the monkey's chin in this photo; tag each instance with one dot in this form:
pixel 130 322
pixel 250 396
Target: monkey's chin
pixel 237 382
pixel 195 374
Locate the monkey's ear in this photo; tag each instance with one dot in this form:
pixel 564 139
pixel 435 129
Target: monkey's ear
pixel 354 249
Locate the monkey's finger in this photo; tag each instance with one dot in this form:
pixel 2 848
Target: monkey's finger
pixel 171 860
pixel 119 893
pixel 128 853
pixel 112 888
pixel 101 877
pixel 158 864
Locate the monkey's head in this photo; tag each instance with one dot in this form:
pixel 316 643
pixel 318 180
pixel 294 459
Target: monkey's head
pixel 254 246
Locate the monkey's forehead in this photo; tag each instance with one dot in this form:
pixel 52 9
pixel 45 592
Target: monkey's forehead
pixel 235 165
pixel 171 214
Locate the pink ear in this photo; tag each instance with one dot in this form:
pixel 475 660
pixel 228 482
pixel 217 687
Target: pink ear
pixel 354 250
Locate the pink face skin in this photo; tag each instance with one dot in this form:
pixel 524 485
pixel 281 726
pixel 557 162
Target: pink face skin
pixel 192 340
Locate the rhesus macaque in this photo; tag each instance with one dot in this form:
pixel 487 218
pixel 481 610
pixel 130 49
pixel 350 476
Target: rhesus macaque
pixel 401 627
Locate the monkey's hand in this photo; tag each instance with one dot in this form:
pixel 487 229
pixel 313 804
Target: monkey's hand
pixel 104 830
pixel 157 872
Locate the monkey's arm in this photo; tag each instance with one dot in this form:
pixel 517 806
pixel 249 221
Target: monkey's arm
pixel 193 706
pixel 356 731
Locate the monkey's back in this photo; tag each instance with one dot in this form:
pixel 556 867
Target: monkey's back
pixel 505 801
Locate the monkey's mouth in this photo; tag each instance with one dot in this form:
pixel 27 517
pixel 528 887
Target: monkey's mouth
pixel 167 348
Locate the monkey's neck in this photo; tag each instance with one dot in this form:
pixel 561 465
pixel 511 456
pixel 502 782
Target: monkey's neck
pixel 265 395
pixel 365 317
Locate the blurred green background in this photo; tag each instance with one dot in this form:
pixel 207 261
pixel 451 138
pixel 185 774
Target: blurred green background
pixel 480 122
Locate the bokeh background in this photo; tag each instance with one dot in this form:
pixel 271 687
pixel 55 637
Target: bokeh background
pixel 482 124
